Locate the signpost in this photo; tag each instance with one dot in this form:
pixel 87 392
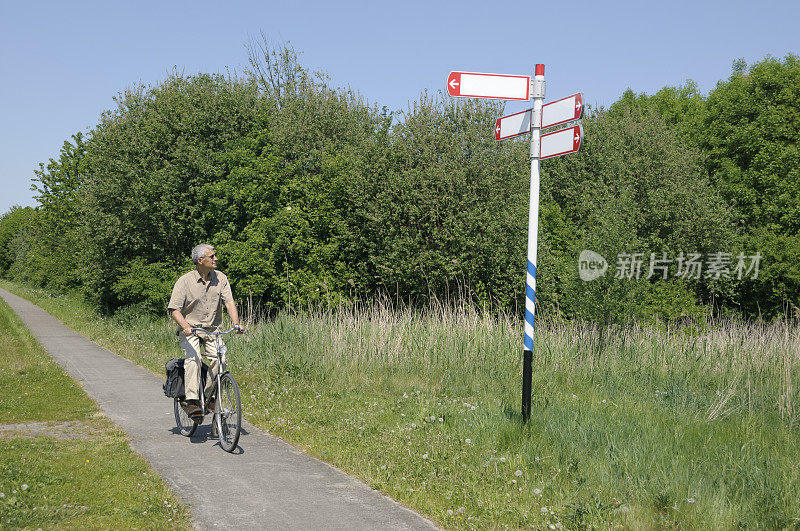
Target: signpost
pixel 513 125
pixel 494 86
pixel 562 142
pixel 562 111
pixel 554 113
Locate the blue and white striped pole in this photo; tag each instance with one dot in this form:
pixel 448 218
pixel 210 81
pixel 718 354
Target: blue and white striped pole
pixel 537 91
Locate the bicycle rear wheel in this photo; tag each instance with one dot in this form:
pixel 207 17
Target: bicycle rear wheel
pixel 185 424
pixel 229 413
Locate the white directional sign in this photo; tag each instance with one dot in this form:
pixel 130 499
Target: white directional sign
pixel 554 113
pixel 561 142
pixel 513 125
pixel 498 86
pixel 562 111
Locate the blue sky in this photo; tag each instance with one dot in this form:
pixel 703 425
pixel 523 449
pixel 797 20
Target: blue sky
pixel 61 63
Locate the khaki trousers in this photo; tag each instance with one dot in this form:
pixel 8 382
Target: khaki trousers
pixel 191 367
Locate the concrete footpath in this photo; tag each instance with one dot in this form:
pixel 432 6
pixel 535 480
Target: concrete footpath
pixel 264 484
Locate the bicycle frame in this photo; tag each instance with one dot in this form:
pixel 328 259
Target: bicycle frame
pixel 221 358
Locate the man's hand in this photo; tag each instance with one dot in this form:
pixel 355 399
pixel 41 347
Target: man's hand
pixel 187 331
pixel 238 328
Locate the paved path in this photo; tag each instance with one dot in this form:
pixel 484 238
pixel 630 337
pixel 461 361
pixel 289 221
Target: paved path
pixel 267 484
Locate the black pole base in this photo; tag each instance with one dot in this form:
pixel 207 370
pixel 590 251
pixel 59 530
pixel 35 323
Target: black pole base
pixel 527 371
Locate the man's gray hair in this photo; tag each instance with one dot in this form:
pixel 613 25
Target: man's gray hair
pixel 199 252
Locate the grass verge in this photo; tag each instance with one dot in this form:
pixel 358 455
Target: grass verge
pixel 635 427
pixel 64 464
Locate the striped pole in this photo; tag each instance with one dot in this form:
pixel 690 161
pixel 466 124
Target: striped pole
pixel 537 91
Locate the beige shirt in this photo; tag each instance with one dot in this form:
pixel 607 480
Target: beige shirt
pixel 201 302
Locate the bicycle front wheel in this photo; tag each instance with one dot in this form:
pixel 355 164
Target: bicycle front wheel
pixel 185 424
pixel 229 413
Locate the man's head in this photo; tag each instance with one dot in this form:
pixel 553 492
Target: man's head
pixel 204 256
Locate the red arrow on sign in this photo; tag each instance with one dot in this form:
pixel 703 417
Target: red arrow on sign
pixel 561 142
pixel 495 86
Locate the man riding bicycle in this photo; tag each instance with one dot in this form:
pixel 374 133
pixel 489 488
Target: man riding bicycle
pixel 196 301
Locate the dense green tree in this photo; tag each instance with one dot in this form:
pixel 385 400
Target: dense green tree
pixel 13 225
pixel 751 136
pixel 636 187
pixel 149 162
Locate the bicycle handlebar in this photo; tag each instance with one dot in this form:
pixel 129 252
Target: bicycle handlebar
pixel 215 332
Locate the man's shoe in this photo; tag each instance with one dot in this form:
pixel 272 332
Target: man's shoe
pixel 194 411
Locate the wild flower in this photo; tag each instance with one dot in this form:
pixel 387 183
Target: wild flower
pixel 24 486
pixel 468 441
pixel 537 491
pixel 502 459
pixel 425 455
pixel 543 510
pixel 518 473
pixel 690 500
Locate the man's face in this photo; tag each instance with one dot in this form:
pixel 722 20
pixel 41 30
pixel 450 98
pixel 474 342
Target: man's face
pixel 210 259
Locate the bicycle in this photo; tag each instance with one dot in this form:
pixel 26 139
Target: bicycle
pixel 227 419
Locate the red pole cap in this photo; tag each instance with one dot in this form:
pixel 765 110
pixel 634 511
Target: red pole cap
pixel 539 70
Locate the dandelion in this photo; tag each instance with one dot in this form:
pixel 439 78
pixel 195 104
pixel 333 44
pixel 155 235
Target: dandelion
pixel 574 396
pixel 449 512
pixel 551 526
pixel 468 441
pixel 544 510
pixel 461 510
pixel 24 486
pixel 502 459
pixel 441 419
pixel 2 494
pixel 537 491
pixel 433 418
pixel 518 473
pixel 604 400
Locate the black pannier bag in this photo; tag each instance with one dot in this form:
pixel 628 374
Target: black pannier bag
pixel 174 386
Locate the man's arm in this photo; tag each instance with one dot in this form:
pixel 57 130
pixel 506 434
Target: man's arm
pixel 178 317
pixel 234 314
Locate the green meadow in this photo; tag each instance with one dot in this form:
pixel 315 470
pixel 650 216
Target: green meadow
pixel 63 464
pixel 638 427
